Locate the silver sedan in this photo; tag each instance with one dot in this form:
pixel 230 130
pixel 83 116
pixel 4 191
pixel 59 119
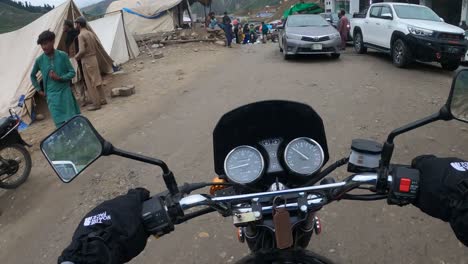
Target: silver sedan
pixel 309 34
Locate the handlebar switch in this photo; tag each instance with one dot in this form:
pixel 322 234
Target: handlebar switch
pixel 404 187
pixel 156 218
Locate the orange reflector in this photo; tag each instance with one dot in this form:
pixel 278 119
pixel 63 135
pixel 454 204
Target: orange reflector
pixel 215 188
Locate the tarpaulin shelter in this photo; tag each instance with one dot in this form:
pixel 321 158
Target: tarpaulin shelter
pixel 19 50
pixel 151 16
pixel 115 38
pixel 303 8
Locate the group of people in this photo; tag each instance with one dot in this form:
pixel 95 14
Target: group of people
pixel 233 29
pixel 63 69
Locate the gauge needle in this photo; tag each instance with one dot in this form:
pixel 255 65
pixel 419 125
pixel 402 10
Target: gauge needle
pixel 300 153
pixel 239 166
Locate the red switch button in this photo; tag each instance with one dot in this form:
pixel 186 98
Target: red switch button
pixel 405 184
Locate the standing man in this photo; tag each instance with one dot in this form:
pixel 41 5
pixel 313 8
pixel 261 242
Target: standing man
pixel 87 56
pixel 227 29
pixel 71 48
pixel 57 72
pixel 264 32
pixel 343 29
pixel 236 31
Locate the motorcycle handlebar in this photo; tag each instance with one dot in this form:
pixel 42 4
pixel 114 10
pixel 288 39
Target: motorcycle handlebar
pixel 313 198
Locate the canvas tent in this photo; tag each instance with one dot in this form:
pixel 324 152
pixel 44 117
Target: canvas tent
pixel 151 16
pixel 18 50
pixel 115 38
pixel 303 8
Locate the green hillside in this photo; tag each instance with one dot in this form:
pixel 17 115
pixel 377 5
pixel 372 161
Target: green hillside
pixel 12 18
pixel 97 9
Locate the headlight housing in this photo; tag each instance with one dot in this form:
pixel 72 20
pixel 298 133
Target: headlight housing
pixel 335 36
pixel 293 36
pixel 420 31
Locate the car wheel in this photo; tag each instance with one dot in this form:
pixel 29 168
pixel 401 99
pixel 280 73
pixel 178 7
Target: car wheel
pixel 359 43
pixel 285 54
pixel 401 54
pixel 335 55
pixel 450 65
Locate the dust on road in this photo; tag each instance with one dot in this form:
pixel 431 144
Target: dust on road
pixel 178 102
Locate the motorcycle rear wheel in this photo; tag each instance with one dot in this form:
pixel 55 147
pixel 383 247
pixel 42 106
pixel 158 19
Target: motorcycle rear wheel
pixel 290 256
pixel 21 172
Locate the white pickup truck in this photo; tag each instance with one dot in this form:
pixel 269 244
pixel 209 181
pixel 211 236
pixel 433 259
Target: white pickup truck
pixel 408 32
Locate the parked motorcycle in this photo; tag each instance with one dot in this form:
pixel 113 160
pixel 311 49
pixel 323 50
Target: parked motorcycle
pixel 269 157
pixel 15 160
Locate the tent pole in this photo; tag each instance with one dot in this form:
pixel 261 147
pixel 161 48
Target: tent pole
pixel 190 14
pixel 126 38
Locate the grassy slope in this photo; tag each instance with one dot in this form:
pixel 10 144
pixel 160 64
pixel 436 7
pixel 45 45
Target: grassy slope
pixel 12 18
pixel 97 9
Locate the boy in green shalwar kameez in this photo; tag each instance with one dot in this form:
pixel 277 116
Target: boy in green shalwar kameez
pixel 57 72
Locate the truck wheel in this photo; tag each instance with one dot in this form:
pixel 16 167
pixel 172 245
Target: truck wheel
pixel 450 65
pixel 359 43
pixel 401 54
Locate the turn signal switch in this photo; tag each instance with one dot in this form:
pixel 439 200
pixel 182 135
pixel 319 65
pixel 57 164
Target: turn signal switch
pixel 156 218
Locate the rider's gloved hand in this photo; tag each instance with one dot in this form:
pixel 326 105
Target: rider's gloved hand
pixel 113 232
pixel 443 191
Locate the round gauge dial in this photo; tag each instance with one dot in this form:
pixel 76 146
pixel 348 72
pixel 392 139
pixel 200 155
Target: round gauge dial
pixel 244 164
pixel 303 156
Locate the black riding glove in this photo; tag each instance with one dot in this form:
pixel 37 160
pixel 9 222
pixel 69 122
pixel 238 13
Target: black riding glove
pixel 443 191
pixel 111 233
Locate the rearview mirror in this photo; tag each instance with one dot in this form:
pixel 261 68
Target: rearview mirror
pixel 387 16
pixel 279 27
pixel 72 147
pixel 458 99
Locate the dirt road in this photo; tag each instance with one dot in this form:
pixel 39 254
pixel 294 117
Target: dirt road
pixel 178 102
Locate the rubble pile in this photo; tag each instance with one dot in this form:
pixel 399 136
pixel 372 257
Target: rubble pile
pixel 158 40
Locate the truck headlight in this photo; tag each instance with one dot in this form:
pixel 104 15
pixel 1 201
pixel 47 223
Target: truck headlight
pixel 420 31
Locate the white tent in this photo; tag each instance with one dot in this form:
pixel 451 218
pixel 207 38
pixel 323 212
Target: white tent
pixel 146 16
pixel 115 38
pixel 18 50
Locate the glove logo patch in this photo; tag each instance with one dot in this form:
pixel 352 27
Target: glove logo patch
pixel 96 219
pixel 460 166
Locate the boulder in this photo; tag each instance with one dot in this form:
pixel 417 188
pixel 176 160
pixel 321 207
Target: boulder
pixel 220 43
pixel 158 55
pixel 123 91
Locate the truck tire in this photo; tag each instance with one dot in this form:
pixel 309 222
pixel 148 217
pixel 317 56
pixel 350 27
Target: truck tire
pixel 401 54
pixel 450 65
pixel 359 43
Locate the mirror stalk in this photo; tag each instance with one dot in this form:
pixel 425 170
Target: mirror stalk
pixel 388 147
pixel 168 176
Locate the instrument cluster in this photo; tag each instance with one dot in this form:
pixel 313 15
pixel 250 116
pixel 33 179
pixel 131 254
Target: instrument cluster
pixel 301 156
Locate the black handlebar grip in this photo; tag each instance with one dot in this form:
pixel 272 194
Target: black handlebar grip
pixel 156 217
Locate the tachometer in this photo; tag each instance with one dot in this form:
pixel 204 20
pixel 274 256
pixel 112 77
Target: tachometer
pixel 303 156
pixel 244 164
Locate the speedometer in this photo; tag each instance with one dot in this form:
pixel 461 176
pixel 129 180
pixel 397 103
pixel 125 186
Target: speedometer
pixel 244 164
pixel 303 156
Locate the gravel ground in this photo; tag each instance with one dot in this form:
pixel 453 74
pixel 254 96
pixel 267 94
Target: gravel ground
pixel 178 102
